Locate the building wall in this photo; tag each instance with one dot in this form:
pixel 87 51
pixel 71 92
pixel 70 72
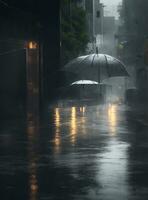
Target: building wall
pixel 89 17
pixel 95 13
pixel 98 17
pixel 135 34
pixel 109 35
pixel 30 21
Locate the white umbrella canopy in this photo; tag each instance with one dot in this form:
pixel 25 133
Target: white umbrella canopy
pixel 85 82
pixel 96 67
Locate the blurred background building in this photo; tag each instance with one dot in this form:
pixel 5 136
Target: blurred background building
pixel 132 42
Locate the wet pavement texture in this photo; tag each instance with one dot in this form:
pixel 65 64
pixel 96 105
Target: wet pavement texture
pixel 79 153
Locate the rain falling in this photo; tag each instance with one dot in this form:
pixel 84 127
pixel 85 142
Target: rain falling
pixel 73 100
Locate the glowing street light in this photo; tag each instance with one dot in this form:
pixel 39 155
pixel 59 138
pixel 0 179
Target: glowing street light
pixel 32 45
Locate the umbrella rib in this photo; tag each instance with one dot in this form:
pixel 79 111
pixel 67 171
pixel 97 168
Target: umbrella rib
pixel 122 67
pixel 78 63
pixel 84 59
pixel 92 62
pixel 107 66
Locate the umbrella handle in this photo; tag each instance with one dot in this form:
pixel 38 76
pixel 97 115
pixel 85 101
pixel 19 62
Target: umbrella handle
pixel 97 50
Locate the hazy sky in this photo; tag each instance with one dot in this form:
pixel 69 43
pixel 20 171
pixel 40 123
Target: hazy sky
pixel 111 7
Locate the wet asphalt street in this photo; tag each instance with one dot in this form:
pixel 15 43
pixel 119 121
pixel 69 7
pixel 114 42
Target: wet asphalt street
pixel 78 153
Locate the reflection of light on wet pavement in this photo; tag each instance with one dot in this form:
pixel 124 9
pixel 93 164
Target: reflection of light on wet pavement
pixel 112 119
pixel 73 126
pixel 103 159
pixel 33 181
pixel 57 117
pixel 83 125
pixel 112 172
pixel 97 111
pixel 57 121
pixel 32 130
pixel 83 109
pixel 83 120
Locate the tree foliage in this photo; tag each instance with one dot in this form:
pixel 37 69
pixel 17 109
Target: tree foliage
pixel 74 36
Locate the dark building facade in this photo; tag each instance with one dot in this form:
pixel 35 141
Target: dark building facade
pixel 133 35
pixel 28 25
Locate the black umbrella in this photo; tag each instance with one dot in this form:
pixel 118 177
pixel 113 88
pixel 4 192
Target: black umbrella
pixel 96 67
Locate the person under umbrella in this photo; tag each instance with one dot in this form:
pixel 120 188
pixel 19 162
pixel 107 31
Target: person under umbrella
pixel 96 67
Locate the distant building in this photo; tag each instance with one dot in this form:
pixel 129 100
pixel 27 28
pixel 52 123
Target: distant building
pixel 99 25
pixel 109 29
pixel 81 3
pixel 89 18
pixel 94 16
pixel 98 17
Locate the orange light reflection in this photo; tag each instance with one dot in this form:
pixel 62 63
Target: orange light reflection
pixel 57 139
pixel 73 127
pixel 32 131
pixel 112 118
pixel 83 109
